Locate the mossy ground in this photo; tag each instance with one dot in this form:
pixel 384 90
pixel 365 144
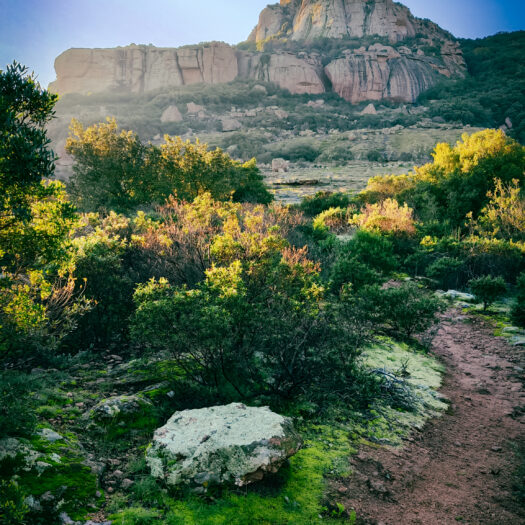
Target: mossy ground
pixel 296 496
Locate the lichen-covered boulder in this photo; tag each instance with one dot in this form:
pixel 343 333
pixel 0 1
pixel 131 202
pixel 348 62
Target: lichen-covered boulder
pixel 118 407
pixel 233 444
pixel 459 296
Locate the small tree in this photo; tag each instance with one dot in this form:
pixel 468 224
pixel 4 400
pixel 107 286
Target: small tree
pixel 36 221
pixel 488 289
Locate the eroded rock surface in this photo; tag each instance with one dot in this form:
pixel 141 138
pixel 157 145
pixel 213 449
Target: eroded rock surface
pixel 233 444
pixel 399 71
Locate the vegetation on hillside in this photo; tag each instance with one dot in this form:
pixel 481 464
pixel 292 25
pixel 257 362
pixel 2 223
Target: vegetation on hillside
pixel 492 91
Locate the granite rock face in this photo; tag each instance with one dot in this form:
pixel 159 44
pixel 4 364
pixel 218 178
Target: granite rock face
pixel 223 445
pixel 311 19
pixel 138 69
pixel 399 71
pixel 380 72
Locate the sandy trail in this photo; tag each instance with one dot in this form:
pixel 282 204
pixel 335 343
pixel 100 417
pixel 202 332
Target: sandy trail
pixel 459 468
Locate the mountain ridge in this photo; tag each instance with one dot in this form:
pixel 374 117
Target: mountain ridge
pixel 393 55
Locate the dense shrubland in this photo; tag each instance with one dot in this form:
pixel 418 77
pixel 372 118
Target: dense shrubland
pixel 182 266
pixel 493 90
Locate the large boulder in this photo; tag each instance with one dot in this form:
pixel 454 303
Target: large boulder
pixel 233 444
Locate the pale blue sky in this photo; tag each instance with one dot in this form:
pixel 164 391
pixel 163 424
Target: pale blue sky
pixel 34 32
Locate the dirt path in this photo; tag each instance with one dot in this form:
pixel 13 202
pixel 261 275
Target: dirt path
pixel 460 468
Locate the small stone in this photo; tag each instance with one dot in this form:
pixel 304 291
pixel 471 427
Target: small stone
pixel 110 490
pixel 342 490
pixel 98 494
pixel 118 474
pixel 50 435
pixel 496 449
pixel 47 496
pixel 65 519
pixel 126 483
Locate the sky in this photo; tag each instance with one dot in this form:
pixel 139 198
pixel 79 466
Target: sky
pixel 35 32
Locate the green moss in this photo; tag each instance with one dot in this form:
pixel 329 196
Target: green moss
pixel 295 497
pixel 60 471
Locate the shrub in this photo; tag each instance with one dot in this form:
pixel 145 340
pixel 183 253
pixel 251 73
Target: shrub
pixel 488 289
pixel 258 324
pixel 332 220
pixel 518 311
pixel 352 271
pixel 13 509
pixel 374 250
pixel 446 271
pixel 403 310
pixel 387 217
pixel 16 410
pixel 375 156
pixel 322 201
pixel 114 170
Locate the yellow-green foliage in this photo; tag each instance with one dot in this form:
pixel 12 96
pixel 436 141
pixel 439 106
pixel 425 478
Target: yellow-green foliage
pixel 115 170
pixel 333 219
pixel 387 217
pixel 458 180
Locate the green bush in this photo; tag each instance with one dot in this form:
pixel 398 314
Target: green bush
pixel 13 509
pixel 17 417
pixel 404 310
pixel 115 170
pixel 518 311
pixel 375 156
pixel 352 271
pixel 322 201
pixel 374 250
pixel 258 325
pixel 488 289
pixel 446 271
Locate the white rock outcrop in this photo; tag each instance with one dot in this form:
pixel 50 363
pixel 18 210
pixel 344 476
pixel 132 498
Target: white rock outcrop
pixel 233 444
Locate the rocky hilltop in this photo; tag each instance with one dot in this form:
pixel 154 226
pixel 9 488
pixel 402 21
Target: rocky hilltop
pixel 382 52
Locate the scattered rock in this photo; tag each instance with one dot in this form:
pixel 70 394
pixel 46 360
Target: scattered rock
pixel 193 108
pixel 369 110
pixel 280 165
pixel 460 296
pixel 126 483
pixel 232 444
pixel 171 114
pixel 230 124
pixel 50 435
pixel 118 407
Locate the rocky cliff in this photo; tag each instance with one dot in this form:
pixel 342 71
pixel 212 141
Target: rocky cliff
pixel 143 68
pixel 310 19
pixel 403 56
